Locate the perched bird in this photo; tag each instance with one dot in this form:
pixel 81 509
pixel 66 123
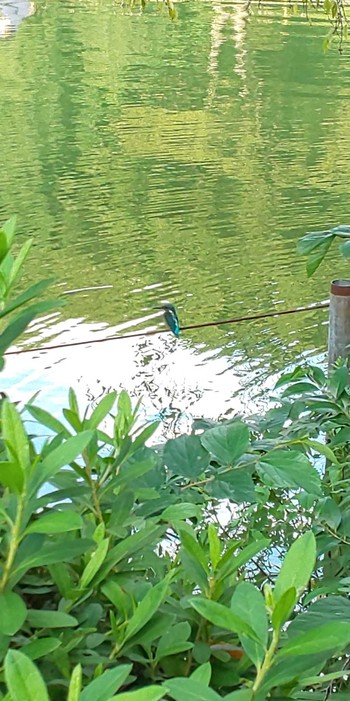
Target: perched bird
pixel 171 318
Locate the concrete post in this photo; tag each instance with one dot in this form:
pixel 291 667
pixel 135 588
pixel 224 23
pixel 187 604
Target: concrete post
pixel 339 322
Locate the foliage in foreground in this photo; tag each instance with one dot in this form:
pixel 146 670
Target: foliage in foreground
pixel 214 566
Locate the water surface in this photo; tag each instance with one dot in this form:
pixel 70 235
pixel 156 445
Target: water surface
pixel 172 159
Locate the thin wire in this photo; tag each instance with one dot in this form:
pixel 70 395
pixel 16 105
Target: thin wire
pixel 235 320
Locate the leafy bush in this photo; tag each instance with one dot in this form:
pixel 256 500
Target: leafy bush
pixel 214 566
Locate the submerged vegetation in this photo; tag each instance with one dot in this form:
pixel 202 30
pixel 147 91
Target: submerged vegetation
pixel 216 565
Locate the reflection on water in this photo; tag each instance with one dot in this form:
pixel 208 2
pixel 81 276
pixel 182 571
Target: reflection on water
pixel 12 12
pixel 172 160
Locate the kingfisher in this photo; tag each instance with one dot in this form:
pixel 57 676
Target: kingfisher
pixel 171 318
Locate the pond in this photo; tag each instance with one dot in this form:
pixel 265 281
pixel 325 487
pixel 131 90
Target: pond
pixel 178 159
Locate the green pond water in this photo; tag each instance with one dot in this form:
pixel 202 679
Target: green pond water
pixel 174 160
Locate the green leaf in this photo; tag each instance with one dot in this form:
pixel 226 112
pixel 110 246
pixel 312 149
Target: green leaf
pixel 174 640
pixel 27 296
pixel 66 453
pixel 41 647
pixel 13 612
pixel 23 680
pixel 330 636
pixel 227 443
pixel 14 435
pixel 56 522
pixel 202 674
pixel 12 476
pixel 223 617
pixel 19 260
pixel 16 327
pixel 214 546
pixel 130 545
pixel 9 229
pixel 190 689
pixel 230 563
pixel 344 249
pixel 316 257
pixel 289 469
pixel 42 618
pixel 101 688
pixel 186 456
pixel 283 608
pixel 332 608
pixel 178 512
pixel 51 553
pixel 75 684
pixel 46 419
pixel 297 566
pixel 147 608
pixel 240 695
pixel 194 549
pixel 313 240
pixel 338 381
pixel 101 411
pixel 149 693
pixel 249 602
pixel 97 557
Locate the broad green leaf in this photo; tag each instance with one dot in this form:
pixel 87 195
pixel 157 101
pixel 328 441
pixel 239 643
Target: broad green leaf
pixel 283 608
pixel 194 549
pixel 178 512
pixel 289 469
pixel 9 229
pixel 101 688
pixel 190 689
pixel 344 249
pixel 149 693
pixel 330 513
pixel 228 442
pixel 130 545
pixel 97 557
pixel 43 618
pixel 249 603
pixel 75 684
pixel 338 381
pixel 66 453
pixel 100 412
pixel 16 327
pixel 174 640
pixel 46 419
pixel 316 257
pixel 49 554
pixel 202 674
pixel 331 608
pixel 297 566
pixel 240 695
pixel 313 240
pixel 214 546
pixel 12 476
pixel 237 483
pixel 13 612
pixel 14 435
pixel 41 647
pixel 147 608
pixel 23 679
pixel 56 522
pixel 300 388
pixel 186 456
pixel 223 617
pixel 19 260
pixel 27 296
pixel 230 563
pixel 330 636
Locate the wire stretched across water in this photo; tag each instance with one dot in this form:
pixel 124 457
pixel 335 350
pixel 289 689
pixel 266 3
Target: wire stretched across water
pixel 235 320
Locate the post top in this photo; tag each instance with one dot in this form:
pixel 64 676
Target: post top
pixel 340 288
